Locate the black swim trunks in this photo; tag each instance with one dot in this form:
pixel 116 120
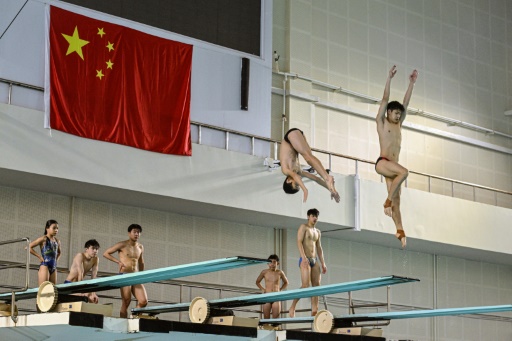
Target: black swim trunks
pixel 380 158
pixel 289 131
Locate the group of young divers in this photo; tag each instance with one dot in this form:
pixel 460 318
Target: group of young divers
pixel 312 264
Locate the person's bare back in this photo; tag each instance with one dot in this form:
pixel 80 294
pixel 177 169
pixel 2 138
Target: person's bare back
pixel 289 159
pixel 293 144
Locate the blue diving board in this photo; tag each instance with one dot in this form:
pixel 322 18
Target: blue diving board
pixel 283 295
pixel 141 277
pixel 395 315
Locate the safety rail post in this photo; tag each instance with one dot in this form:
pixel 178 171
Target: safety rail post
pixel 9 94
pixel 388 296
pixel 352 306
pixel 325 302
pixel 14 315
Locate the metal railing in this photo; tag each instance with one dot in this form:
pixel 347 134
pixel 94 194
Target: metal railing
pixel 375 100
pixel 357 161
pixel 329 154
pixel 335 302
pixel 14 314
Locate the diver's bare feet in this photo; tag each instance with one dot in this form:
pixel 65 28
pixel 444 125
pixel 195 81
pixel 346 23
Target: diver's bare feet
pixel 400 235
pixel 387 208
pixel 291 311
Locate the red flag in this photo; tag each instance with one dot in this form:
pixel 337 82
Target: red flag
pixel 116 84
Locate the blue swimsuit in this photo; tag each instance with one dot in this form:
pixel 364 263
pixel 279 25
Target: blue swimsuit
pixel 49 253
pixel 312 261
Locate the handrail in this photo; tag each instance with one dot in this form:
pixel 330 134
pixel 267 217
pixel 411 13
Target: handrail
pixel 14 315
pixel 353 158
pixel 415 172
pixel 23 85
pixel 415 111
pixel 335 301
pixel 276 143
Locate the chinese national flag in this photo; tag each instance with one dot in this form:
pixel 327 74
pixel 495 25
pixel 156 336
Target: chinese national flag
pixel 116 84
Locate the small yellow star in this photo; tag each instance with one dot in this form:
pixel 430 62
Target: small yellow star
pixel 109 64
pixel 110 46
pixel 99 74
pixel 75 43
pixel 101 32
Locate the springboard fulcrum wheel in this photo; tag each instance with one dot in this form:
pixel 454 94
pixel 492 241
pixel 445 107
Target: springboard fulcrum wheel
pixel 47 296
pixel 323 322
pixel 199 310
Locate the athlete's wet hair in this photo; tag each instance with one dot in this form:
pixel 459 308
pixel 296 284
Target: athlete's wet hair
pixel 48 224
pixel 314 212
pixel 288 187
pixel 134 226
pixel 92 242
pixel 272 257
pixel 395 105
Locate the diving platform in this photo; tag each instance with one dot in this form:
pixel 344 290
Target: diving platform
pixel 84 326
pixel 77 325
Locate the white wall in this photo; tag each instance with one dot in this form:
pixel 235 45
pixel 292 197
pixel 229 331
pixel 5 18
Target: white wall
pixel 232 180
pixel 461 49
pixel 210 175
pixel 439 218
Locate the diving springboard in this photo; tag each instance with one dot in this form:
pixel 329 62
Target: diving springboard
pixel 396 315
pixel 141 277
pixel 241 301
pixel 324 321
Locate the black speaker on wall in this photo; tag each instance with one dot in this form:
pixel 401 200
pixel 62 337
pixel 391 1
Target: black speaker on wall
pixel 246 67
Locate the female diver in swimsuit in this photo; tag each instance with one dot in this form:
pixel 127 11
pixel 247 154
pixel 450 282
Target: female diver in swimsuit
pixel 50 252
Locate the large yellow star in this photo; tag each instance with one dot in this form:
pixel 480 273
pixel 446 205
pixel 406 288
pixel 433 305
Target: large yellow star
pixel 75 43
